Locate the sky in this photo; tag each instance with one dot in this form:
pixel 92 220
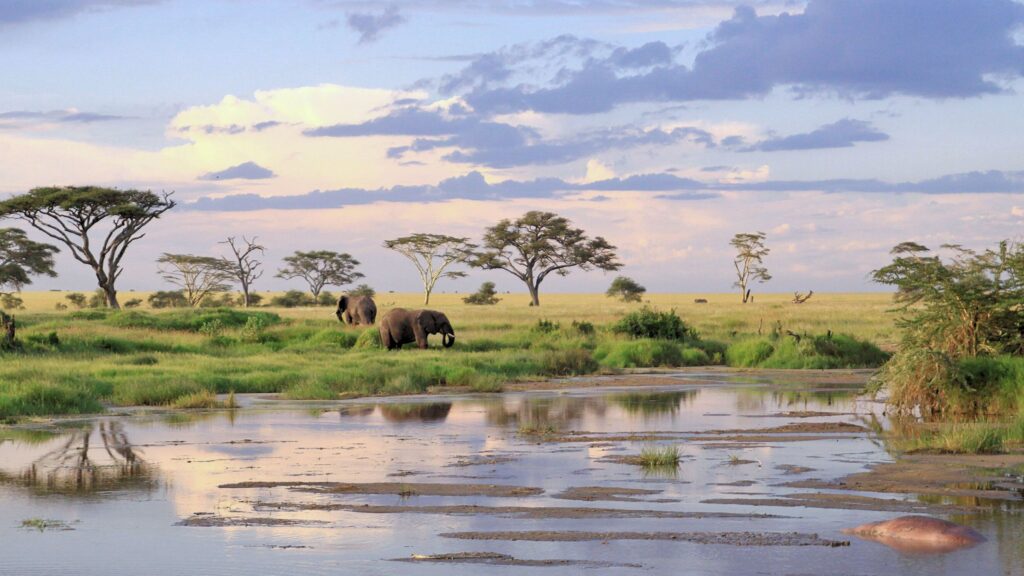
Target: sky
pixel 839 128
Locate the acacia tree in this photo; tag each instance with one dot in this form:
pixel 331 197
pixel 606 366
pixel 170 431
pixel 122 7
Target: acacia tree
pixel 20 258
pixel 432 254
pixel 197 276
pixel 539 244
pixel 244 267
pixel 96 224
pixel 749 261
pixel 626 288
pixel 320 268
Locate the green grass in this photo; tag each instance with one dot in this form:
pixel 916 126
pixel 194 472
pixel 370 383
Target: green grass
pixel 660 457
pixel 966 438
pixel 76 362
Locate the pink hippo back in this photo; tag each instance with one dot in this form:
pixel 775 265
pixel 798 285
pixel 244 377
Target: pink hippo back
pixel 919 534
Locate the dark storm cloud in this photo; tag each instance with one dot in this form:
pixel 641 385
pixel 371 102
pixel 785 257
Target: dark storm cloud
pixel 473 186
pixel 370 25
pixel 498 145
pixel 244 171
pixel 16 119
pixel 21 11
pixel 853 48
pixel 842 134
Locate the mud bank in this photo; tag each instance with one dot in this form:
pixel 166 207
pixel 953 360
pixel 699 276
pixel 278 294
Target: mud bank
pixel 727 538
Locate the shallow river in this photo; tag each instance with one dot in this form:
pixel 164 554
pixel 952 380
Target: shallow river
pixel 377 488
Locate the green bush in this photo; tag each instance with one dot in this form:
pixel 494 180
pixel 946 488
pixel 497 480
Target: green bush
pixel 808 352
pixel 191 320
pixel 486 295
pixel 545 326
pixel 168 299
pixel 642 353
pixel 292 299
pixel 650 323
pixel 571 362
pixel 369 338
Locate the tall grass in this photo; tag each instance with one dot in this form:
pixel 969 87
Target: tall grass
pixel 79 361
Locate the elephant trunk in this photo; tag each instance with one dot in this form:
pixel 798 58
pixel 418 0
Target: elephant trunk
pixel 448 339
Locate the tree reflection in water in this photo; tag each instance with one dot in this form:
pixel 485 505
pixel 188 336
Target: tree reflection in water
pixel 416 412
pixel 87 460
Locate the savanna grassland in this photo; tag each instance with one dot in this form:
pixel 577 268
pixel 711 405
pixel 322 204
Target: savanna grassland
pixel 81 361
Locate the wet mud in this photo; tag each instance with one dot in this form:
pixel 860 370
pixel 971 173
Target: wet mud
pixel 726 538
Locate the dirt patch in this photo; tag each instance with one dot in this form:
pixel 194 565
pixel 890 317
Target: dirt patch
pixel 797 428
pixel 605 494
pixel 964 477
pixel 799 414
pixel 481 461
pixel 840 502
pixel 789 469
pixel 211 521
pixel 496 559
pixel 398 488
pixel 704 376
pixel 727 538
pixel 522 512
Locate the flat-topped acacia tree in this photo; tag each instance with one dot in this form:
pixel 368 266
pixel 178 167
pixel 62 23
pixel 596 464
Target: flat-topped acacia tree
pixel 96 224
pixel 432 254
pixel 320 268
pixel 541 243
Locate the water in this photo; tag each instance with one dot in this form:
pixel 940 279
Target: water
pixel 124 483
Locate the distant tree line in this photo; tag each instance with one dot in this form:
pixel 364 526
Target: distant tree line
pixel 97 226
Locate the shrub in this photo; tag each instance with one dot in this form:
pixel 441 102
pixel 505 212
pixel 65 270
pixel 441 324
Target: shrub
pixel 133 303
pixel 292 299
pixel 168 299
pixel 326 299
pixel 626 289
pixel 572 362
pixel 640 354
pixel 370 338
pixel 98 299
pixel 254 299
pixel 60 306
pixel 363 290
pixel 486 295
pixel 218 300
pixel 11 302
pixel 77 299
pixel 650 323
pixel 583 327
pixel 545 326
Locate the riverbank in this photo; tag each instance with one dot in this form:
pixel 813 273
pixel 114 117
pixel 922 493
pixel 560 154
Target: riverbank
pixel 86 361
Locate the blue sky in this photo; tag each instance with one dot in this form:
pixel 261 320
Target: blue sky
pixel 839 127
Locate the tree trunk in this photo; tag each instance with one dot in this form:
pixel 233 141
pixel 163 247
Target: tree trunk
pixel 8 327
pixel 111 295
pixel 534 295
pixel 426 297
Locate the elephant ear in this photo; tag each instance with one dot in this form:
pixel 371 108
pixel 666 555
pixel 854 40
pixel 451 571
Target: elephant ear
pixel 343 303
pixel 427 321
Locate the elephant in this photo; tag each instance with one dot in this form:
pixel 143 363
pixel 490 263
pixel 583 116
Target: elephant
pixel 401 326
pixel 356 310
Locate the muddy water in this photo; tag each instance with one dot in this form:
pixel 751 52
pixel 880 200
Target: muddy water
pixel 439 485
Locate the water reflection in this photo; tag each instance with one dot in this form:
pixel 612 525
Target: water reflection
pixel 96 457
pixel 416 412
pixel 654 403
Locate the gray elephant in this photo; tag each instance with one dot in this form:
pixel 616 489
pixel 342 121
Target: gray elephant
pixel 356 310
pixel 401 326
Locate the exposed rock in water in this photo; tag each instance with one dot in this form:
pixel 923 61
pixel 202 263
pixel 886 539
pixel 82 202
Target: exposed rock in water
pixel 727 538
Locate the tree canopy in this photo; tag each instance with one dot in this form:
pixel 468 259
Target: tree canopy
pixel 432 254
pixel 320 268
pixel 96 224
pixel 197 276
pixel 539 244
pixel 749 261
pixel 626 289
pixel 21 258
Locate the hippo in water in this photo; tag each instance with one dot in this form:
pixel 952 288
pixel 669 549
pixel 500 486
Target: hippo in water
pixel 918 534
